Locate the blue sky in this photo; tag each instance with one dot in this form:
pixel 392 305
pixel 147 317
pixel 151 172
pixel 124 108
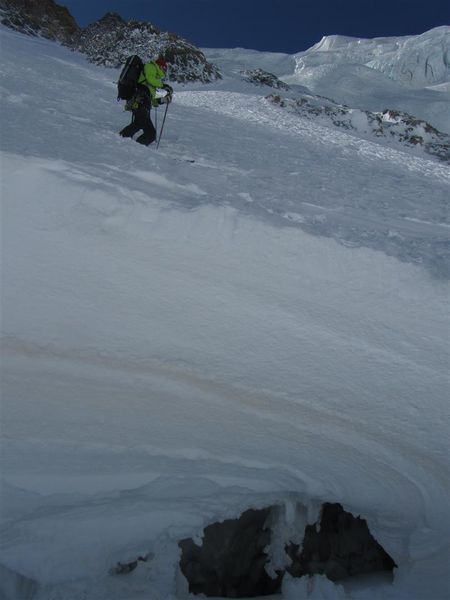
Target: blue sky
pixel 275 25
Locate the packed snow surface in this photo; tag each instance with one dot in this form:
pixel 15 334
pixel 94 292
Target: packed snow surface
pixel 185 340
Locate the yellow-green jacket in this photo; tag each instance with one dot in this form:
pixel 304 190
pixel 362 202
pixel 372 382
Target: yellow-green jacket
pixel 152 77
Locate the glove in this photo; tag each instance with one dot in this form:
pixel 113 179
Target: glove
pixel 169 92
pixel 164 95
pixel 166 100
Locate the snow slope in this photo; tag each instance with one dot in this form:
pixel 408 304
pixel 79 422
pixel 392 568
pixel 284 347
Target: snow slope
pixel 184 340
pixel 370 74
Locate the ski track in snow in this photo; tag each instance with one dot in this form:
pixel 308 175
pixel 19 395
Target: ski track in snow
pixel 177 346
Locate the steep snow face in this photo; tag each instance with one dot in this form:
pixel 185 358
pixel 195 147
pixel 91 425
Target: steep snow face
pixel 360 73
pixel 379 74
pixel 182 341
pixel 413 60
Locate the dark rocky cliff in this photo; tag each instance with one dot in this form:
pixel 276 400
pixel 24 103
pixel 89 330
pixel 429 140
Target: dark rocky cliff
pixel 39 17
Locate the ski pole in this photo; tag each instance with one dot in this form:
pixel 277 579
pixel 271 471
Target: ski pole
pixel 162 126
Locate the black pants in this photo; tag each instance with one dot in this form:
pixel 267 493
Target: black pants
pixel 141 120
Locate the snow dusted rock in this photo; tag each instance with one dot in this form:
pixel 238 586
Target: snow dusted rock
pixel 231 561
pixel 111 40
pixel 413 60
pixel 392 124
pixel 237 555
pixel 128 567
pixel 339 546
pixel 44 18
pixel 261 77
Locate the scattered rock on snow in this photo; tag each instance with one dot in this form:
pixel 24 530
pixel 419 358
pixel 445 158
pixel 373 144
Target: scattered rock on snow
pixel 395 125
pixel 261 77
pixel 125 568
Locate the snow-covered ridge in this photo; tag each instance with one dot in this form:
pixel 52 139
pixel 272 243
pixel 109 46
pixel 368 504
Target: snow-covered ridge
pixel 413 60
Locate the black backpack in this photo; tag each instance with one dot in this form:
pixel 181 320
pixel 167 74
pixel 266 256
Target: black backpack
pixel 127 84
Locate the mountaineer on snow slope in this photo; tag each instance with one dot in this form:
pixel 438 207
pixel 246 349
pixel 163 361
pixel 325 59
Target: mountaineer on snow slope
pixel 142 86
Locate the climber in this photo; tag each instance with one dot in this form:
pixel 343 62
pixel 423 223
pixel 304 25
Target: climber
pixel 150 90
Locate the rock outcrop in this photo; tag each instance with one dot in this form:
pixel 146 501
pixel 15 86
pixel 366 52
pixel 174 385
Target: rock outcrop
pixel 43 17
pixel 234 558
pixel 261 78
pixel 111 40
pixel 338 546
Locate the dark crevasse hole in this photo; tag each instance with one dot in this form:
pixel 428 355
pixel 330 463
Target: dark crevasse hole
pixel 338 546
pixel 232 560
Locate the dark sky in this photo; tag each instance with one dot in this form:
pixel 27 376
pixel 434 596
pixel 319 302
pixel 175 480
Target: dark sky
pixel 275 25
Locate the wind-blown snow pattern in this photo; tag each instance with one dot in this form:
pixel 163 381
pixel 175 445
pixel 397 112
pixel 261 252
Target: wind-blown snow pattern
pixel 183 341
